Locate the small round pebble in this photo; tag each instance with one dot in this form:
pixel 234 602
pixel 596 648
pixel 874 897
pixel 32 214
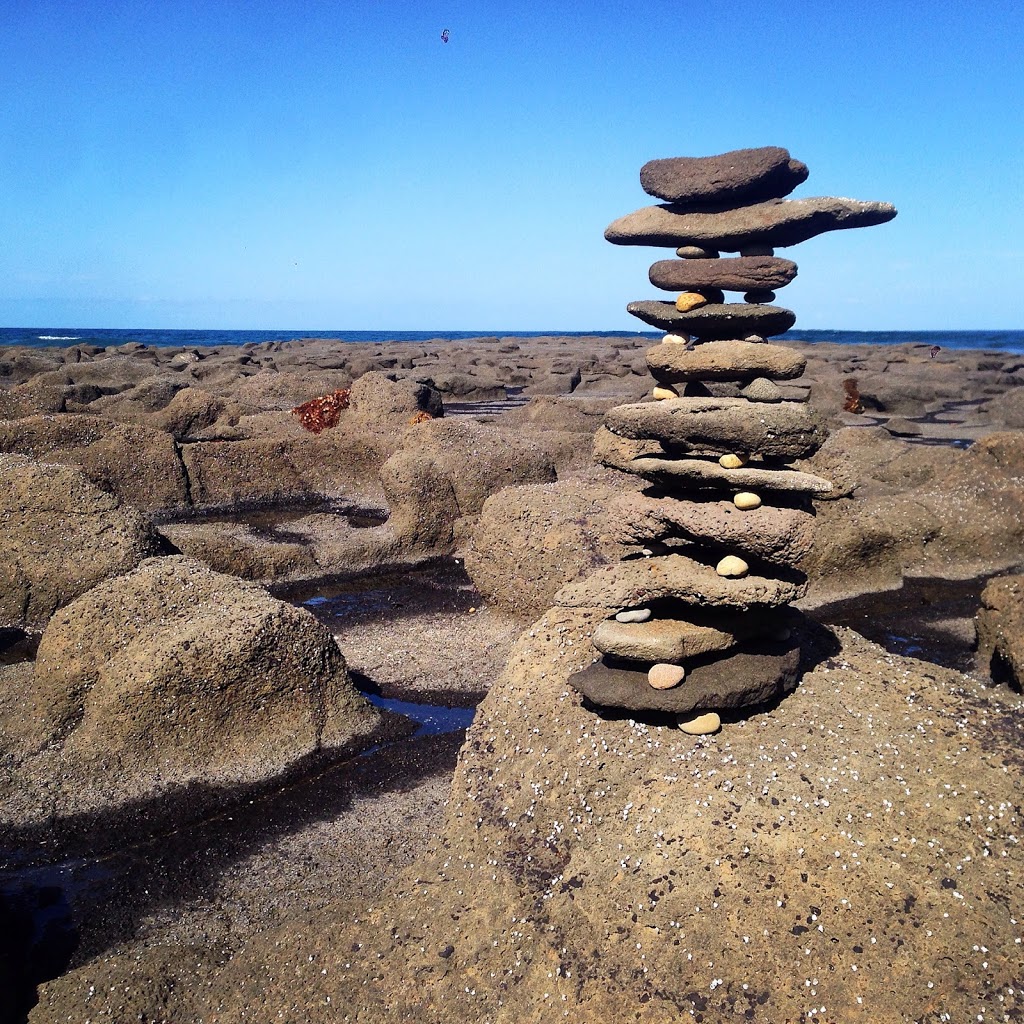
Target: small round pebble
pixel 757 250
pixel 746 500
pixel 702 725
pixel 690 300
pixel 661 393
pixel 696 252
pixel 633 615
pixel 732 461
pixel 732 566
pixel 759 295
pixel 675 339
pixel 664 676
pixel 754 339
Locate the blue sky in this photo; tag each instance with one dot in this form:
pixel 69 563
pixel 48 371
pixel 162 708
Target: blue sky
pixel 335 165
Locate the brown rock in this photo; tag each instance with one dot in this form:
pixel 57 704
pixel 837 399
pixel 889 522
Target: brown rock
pixel 778 222
pixel 637 581
pixel 715 320
pixel 1000 630
pixel 739 274
pixel 740 679
pixel 786 430
pixel 724 360
pixel 740 175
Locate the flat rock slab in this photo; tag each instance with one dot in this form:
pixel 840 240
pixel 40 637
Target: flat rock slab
pixel 740 274
pixel 742 174
pixel 782 535
pixel 778 222
pixel 715 320
pixel 740 361
pixel 735 681
pixel 704 473
pixel 634 582
pixel 703 631
pixel 784 430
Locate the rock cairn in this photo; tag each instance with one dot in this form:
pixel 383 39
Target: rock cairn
pixel 699 619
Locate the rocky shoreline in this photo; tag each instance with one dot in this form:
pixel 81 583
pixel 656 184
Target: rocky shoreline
pixel 188 467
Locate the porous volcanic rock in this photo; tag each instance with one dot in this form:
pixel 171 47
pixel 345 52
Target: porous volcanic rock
pixel 59 536
pixel 778 222
pixel 173 679
pixel 740 175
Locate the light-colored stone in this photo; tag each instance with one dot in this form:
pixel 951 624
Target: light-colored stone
pixel 676 339
pixel 664 677
pixel 696 252
pixel 633 615
pixel 761 389
pixel 732 566
pixel 690 300
pixel 662 393
pixel 732 461
pixel 746 500
pixel 701 725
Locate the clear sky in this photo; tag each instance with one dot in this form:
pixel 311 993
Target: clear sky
pixel 289 164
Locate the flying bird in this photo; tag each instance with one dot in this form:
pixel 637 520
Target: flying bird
pixel 444 35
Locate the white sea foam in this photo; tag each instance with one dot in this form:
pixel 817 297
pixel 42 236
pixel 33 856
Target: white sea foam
pixel 58 337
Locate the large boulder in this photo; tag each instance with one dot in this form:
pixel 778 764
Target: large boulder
pixel 175 682
pixel 139 464
pixel 530 541
pixel 59 536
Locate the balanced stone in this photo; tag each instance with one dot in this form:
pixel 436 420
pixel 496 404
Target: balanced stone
pixel 724 360
pixel 742 174
pixel 732 566
pixel 676 576
pixel 779 222
pixel 696 252
pixel 664 677
pixel 746 500
pixel 788 430
pixel 770 532
pixel 739 274
pixel 690 300
pixel 700 725
pixel 746 677
pixel 761 389
pixel 732 461
pixel 699 473
pixel 759 296
pixel 662 393
pixel 703 631
pixel 715 320
pixel 633 615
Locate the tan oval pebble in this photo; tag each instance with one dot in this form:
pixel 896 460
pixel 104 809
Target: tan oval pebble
pixel 676 339
pixel 732 461
pixel 746 499
pixel 633 615
pixel 664 676
pixel 661 393
pixel 732 565
pixel 690 300
pixel 701 725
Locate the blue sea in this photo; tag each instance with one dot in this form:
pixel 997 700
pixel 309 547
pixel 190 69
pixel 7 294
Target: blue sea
pixel 43 337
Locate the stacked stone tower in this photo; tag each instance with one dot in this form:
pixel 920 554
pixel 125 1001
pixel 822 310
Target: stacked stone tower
pixel 699 618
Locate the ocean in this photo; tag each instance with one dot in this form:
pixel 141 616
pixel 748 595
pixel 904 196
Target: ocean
pixel 44 337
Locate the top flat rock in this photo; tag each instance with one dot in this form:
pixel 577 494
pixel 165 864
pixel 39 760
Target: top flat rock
pixel 748 174
pixel 778 222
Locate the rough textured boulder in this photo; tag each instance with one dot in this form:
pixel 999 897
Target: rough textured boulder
pixel 139 464
pixel 175 678
pixel 740 274
pixel 1000 627
pixel 380 400
pixel 723 360
pixel 530 541
pixel 59 536
pixel 744 175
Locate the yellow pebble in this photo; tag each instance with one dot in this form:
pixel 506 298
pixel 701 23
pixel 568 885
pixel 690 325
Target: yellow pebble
pixel 675 339
pixel 701 725
pixel 746 500
pixel 731 565
pixel 732 461
pixel 661 393
pixel 690 300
